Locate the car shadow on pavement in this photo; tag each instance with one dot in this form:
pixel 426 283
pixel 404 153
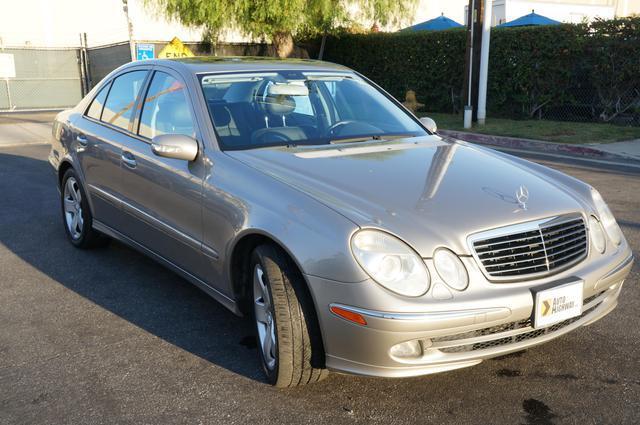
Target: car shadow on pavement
pixel 116 278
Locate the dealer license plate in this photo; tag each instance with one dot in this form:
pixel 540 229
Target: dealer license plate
pixel 556 304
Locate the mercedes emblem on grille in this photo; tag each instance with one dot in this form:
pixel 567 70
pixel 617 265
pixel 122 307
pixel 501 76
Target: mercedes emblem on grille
pixel 522 195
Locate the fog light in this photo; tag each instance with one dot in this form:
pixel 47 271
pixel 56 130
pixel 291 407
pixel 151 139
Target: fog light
pixel 408 349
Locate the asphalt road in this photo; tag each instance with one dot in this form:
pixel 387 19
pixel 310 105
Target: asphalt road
pixel 108 336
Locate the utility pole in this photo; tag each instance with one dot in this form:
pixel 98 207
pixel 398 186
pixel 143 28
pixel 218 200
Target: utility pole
pixel 132 47
pixel 82 53
pixel 468 66
pixel 484 62
pixel 472 60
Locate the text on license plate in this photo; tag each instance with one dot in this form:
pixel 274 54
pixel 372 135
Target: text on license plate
pixel 556 304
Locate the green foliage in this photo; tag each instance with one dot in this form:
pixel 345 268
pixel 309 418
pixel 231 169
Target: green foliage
pixel 615 75
pixel 552 131
pixel 268 17
pixel 429 62
pixel 210 14
pixel 530 67
pixel 262 18
pixel 575 72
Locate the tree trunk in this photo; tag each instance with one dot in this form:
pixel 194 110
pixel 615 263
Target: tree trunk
pixel 324 40
pixel 283 44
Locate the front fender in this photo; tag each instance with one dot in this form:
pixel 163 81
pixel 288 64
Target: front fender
pixel 239 201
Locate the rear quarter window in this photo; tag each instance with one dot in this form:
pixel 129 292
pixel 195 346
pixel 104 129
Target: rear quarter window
pixel 95 109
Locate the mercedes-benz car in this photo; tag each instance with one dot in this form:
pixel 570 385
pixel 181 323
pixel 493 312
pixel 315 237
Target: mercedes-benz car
pixel 302 195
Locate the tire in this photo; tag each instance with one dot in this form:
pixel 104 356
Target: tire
pixel 295 356
pixel 76 214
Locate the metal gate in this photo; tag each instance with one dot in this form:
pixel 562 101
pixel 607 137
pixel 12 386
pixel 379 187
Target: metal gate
pixel 44 79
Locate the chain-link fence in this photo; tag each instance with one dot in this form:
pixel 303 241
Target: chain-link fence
pixel 587 104
pixel 104 59
pixel 58 78
pixel 588 98
pixel 45 79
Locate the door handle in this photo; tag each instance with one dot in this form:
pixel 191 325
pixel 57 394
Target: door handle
pixel 82 139
pixel 128 159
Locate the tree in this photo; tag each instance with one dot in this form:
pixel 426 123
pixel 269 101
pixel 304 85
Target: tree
pixel 280 20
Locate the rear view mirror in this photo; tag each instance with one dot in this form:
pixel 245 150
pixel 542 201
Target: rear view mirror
pixel 429 124
pixel 177 146
pixel 287 89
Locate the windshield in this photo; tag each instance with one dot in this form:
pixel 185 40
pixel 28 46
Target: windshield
pixel 253 110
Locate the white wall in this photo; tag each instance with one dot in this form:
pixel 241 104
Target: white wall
pixel 55 23
pixel 429 9
pixel 507 10
pixel 561 11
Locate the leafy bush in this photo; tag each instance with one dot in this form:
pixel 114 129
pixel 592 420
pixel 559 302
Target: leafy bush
pixel 430 63
pixel 588 72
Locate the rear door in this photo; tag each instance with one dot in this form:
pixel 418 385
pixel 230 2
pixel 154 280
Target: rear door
pixel 162 197
pixel 100 133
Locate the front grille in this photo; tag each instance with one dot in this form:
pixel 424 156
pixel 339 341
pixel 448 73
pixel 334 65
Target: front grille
pixel 542 248
pixel 508 333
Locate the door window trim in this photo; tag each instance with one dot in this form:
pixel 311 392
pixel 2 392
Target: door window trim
pixel 139 105
pixel 124 131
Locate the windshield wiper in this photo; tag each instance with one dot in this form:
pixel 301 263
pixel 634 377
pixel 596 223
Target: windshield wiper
pixel 368 138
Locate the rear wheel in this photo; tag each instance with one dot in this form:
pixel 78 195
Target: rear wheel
pixel 289 341
pixel 76 214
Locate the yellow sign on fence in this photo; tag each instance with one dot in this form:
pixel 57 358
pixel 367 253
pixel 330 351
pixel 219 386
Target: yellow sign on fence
pixel 175 49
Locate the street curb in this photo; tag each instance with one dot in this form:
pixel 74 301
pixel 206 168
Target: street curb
pixel 537 146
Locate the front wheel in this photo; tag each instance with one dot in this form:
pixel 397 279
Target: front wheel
pixel 289 341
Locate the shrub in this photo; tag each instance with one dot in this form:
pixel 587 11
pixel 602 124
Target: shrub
pixel 430 63
pixel 569 72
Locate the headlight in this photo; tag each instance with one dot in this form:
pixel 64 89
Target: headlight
pixel 606 218
pixel 451 269
pixel 597 234
pixel 390 262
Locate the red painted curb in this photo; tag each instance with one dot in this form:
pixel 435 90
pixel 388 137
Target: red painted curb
pixel 534 145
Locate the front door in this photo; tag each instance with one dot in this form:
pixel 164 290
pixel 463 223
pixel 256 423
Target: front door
pixel 162 197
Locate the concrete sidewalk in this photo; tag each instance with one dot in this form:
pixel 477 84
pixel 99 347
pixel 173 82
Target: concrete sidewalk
pixel 25 128
pixel 630 148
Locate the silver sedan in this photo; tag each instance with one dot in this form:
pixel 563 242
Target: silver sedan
pixel 302 195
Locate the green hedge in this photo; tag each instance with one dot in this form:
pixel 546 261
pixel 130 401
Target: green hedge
pixel 430 63
pixel 573 72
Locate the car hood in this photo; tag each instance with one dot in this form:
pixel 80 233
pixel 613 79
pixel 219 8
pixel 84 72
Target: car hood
pixel 428 191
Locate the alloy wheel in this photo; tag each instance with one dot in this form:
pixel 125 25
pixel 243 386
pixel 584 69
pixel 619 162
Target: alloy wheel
pixel 264 318
pixel 72 199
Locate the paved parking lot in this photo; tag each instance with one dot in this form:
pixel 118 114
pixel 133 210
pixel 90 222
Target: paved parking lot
pixel 22 128
pixel 108 336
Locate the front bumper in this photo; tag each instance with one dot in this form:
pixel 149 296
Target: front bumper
pixel 485 321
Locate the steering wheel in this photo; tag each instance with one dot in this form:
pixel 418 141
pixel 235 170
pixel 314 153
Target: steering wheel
pixel 274 137
pixel 333 130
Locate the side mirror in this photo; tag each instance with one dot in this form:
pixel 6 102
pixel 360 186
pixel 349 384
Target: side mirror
pixel 429 124
pixel 177 146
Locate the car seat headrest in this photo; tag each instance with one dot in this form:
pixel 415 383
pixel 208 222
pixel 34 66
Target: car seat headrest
pixel 279 104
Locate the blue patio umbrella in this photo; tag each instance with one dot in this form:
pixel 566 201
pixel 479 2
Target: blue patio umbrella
pixel 436 24
pixel 530 20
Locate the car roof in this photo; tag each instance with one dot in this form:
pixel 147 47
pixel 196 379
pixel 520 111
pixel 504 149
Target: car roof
pixel 204 64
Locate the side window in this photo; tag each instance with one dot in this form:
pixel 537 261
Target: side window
pixel 166 108
pixel 95 109
pixel 303 105
pixel 122 97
